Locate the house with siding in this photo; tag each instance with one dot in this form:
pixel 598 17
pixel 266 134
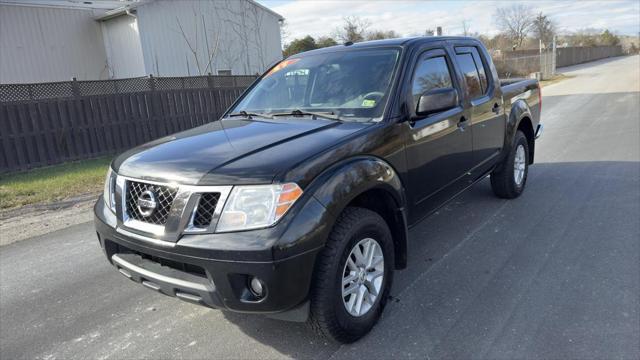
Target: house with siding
pixel 47 40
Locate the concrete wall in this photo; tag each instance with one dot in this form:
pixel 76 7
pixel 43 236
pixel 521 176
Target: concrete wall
pixel 122 43
pixel 39 44
pixel 577 55
pixel 179 37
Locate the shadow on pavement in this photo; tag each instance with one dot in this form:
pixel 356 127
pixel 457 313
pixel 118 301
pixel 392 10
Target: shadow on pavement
pixel 554 273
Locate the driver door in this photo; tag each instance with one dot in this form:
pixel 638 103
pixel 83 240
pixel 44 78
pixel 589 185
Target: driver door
pixel 438 146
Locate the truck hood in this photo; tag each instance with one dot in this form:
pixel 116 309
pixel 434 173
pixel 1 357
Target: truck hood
pixel 232 151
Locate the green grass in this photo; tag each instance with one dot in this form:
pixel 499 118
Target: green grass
pixel 53 183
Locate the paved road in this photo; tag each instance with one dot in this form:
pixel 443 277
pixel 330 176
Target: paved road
pixel 553 274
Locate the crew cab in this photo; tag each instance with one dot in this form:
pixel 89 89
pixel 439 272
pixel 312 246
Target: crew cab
pixel 297 203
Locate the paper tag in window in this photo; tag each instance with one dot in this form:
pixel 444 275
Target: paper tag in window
pixel 283 64
pixel 368 103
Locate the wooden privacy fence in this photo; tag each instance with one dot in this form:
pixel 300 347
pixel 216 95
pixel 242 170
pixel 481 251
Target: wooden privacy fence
pixel 50 123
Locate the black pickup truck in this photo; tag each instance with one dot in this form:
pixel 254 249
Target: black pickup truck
pixel 297 204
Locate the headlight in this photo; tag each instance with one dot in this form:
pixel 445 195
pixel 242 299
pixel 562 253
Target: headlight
pixel 109 190
pixel 252 207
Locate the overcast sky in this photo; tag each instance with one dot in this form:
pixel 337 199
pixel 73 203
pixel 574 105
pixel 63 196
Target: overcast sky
pixel 319 18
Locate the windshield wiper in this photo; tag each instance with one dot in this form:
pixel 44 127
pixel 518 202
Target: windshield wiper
pixel 250 114
pixel 297 112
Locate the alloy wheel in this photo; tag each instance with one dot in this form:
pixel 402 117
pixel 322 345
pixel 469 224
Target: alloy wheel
pixel 519 165
pixel 362 277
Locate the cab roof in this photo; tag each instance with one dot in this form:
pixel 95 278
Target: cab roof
pixel 385 42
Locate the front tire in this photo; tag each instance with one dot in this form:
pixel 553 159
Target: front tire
pixel 509 178
pixel 353 276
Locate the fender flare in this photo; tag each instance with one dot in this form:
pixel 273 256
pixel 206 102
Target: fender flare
pixel 342 182
pixel 519 110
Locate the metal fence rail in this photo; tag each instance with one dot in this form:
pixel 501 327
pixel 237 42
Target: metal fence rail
pixel 50 123
pixel 525 62
pixel 73 88
pixel 517 66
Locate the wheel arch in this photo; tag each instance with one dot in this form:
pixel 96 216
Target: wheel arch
pixel 526 127
pixel 520 119
pixel 368 182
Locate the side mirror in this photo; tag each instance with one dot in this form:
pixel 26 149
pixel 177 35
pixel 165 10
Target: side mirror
pixel 437 100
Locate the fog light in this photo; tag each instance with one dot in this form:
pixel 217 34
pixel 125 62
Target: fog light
pixel 256 287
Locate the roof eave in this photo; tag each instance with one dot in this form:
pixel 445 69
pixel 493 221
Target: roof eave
pixel 123 10
pixel 280 17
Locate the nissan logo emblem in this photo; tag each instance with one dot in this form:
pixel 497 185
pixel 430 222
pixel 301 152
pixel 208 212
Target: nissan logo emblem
pixel 147 203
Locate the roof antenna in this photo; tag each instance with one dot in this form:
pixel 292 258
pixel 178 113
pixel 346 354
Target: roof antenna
pixel 348 43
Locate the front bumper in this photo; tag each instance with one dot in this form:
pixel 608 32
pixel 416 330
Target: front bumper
pixel 214 270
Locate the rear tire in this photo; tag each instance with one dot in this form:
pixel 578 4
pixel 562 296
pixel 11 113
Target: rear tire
pixel 339 271
pixel 509 178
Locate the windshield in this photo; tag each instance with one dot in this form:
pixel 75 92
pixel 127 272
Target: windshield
pixel 353 85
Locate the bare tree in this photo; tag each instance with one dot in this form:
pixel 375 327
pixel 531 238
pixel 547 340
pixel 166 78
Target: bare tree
pixel 246 21
pixel 584 37
pixel 465 27
pixel 284 31
pixel 515 22
pixel 354 29
pixel 237 21
pixel 543 28
pixel 380 34
pixel 258 40
pixel 203 54
pixel 191 43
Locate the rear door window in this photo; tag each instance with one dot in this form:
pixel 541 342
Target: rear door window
pixel 474 70
pixel 468 67
pixel 481 70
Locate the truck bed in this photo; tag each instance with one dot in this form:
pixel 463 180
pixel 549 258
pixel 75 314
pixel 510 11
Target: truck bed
pixel 522 89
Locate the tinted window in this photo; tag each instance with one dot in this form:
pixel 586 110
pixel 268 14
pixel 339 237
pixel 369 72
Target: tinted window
pixel 431 73
pixel 480 67
pixel 470 72
pixel 354 85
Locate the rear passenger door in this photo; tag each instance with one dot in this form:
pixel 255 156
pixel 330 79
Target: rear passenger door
pixel 438 146
pixel 484 97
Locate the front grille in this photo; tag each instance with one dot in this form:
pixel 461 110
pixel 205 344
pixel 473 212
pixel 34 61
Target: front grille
pixel 206 208
pixel 164 196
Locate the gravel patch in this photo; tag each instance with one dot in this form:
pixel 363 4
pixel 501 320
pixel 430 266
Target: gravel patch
pixel 34 220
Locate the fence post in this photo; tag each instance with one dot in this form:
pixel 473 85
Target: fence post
pixel 30 91
pixel 210 80
pixel 542 66
pixel 75 89
pixel 553 57
pixel 152 83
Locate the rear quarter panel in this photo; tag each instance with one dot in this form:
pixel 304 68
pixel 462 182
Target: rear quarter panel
pixel 522 96
pixel 521 100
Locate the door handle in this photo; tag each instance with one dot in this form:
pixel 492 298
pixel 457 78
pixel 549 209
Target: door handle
pixel 496 108
pixel 462 123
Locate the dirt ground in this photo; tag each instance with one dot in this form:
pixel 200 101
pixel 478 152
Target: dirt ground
pixel 30 221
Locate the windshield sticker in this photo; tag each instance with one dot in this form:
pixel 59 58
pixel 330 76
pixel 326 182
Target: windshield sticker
pixel 368 103
pixel 281 66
